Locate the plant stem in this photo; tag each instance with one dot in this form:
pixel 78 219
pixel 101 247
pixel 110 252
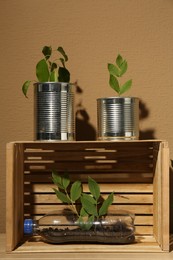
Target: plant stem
pixel 73 207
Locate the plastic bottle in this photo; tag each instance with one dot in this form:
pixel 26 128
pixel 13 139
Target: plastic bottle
pixel 63 227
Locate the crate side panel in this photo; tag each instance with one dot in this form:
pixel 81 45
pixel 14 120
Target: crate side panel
pixel 15 195
pixel 10 227
pixel 161 196
pixel 165 197
pixel 157 195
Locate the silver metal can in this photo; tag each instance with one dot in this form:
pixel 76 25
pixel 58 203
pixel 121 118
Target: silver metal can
pixel 54 111
pixel 118 118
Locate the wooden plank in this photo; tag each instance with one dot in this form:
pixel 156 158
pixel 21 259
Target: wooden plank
pixel 100 177
pixel 157 196
pixel 144 230
pixel 116 187
pixel 81 145
pixel 14 193
pixel 44 209
pixel 161 197
pixel 87 155
pixel 165 202
pixel 10 227
pixel 144 220
pixel 118 198
pixel 18 201
pixel 97 167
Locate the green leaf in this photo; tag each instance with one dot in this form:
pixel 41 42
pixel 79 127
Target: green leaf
pixel 75 191
pixel 42 71
pixel 62 196
pixel 64 75
pixel 47 51
pixel 113 70
pixel 85 225
pixel 94 188
pixel 61 50
pixel 119 60
pixel 107 202
pixel 82 224
pixel 83 213
pixel 89 223
pixel 53 66
pixel 126 86
pixel 89 207
pixel 53 76
pixel 113 82
pixel 25 87
pixel 57 180
pixel 123 67
pixel 65 181
pixel 91 219
pixel 89 198
pixel 63 62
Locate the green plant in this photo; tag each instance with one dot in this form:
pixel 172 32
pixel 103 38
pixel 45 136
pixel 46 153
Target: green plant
pixel 50 71
pixel 116 71
pixel 92 205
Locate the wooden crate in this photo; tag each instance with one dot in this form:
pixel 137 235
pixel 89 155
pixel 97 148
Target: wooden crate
pixel 136 170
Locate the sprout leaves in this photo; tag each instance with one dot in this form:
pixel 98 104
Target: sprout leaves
pixel 92 207
pixel 42 71
pixel 116 71
pixel 50 71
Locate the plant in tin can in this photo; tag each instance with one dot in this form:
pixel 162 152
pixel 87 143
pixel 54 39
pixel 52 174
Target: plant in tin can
pixel 48 70
pixel 116 71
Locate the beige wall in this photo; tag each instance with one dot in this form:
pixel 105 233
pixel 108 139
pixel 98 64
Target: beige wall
pixel 92 32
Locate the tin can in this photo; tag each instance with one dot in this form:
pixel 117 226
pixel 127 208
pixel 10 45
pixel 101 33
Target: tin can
pixel 54 111
pixel 118 118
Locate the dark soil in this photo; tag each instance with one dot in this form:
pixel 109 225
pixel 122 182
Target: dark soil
pixel 116 234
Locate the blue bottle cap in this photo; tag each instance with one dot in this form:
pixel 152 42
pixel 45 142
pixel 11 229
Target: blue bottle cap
pixel 28 226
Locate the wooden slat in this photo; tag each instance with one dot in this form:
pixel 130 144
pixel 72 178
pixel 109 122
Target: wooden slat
pixel 81 145
pixel 100 177
pixel 146 220
pixel 116 187
pixel 44 209
pixel 118 198
pixel 90 166
pixel 144 230
pixel 141 154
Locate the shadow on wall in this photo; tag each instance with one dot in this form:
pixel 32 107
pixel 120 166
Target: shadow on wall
pixel 85 131
pixel 144 114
